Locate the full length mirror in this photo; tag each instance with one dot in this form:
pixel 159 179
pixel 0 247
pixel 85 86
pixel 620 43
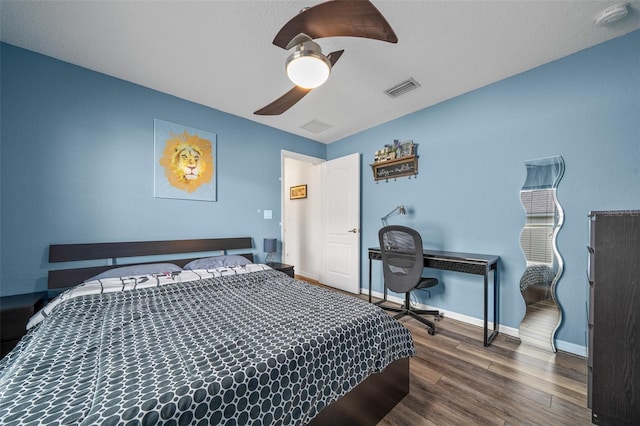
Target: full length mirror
pixel 543 261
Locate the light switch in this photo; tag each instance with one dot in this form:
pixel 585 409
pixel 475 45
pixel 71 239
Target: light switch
pixel 268 214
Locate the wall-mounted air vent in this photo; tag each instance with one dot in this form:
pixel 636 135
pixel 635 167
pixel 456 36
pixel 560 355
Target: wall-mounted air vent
pixel 315 126
pixel 402 88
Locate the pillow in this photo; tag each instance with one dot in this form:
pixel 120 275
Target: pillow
pixel 127 271
pixel 218 262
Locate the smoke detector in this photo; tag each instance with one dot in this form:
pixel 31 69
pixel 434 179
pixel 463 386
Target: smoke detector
pixel 612 14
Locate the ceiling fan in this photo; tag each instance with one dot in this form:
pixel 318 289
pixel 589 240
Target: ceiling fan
pixel 346 18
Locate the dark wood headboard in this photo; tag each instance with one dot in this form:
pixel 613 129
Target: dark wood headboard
pixel 62 278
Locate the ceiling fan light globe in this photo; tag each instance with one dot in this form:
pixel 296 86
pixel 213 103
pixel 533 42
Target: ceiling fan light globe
pixel 308 69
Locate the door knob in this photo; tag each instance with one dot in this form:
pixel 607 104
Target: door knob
pixel 354 230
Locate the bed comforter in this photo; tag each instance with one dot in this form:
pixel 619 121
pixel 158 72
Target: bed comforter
pixel 200 347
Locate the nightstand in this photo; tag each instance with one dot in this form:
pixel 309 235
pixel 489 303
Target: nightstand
pixel 283 267
pixel 15 312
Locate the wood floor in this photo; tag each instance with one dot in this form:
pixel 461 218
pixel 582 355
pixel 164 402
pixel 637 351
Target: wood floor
pixel 455 380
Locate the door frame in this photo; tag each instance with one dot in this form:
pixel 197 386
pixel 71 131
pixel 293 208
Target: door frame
pixel 314 161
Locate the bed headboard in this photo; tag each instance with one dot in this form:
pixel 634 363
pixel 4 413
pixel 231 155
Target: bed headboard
pixel 62 278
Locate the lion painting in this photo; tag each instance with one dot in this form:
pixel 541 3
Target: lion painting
pixel 187 161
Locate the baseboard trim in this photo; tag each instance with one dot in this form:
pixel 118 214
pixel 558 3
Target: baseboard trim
pixel 509 331
pixel 571 348
pixel 307 279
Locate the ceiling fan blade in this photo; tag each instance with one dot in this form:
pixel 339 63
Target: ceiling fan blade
pixel 292 97
pixel 284 102
pixel 334 56
pixel 347 18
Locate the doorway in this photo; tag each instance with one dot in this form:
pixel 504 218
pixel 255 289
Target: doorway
pixel 321 233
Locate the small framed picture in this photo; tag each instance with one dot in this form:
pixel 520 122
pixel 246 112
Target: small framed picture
pixel 406 149
pixel 299 191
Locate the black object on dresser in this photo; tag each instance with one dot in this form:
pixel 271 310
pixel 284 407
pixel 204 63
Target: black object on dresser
pixel 614 318
pixel 15 312
pixel 282 267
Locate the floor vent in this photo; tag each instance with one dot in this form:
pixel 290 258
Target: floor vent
pixel 315 126
pixel 402 88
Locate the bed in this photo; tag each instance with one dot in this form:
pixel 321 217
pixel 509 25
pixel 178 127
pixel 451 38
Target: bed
pixel 219 343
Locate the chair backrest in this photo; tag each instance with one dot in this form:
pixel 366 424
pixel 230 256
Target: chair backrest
pixel 402 261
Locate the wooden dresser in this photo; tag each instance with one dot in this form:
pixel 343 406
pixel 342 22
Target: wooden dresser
pixel 614 318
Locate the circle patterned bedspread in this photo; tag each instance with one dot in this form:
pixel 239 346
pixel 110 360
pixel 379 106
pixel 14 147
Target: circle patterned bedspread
pixel 252 349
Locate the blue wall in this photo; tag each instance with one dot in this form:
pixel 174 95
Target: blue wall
pixel 78 158
pixel 585 107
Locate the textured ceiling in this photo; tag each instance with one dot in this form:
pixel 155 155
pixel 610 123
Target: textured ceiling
pixel 220 53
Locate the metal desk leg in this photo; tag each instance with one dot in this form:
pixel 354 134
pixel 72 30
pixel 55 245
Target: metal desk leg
pixel 488 338
pixel 369 279
pixel 486 301
pixel 496 319
pixel 384 298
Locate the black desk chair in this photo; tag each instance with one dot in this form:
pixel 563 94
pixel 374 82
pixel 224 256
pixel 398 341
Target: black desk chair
pixel 402 264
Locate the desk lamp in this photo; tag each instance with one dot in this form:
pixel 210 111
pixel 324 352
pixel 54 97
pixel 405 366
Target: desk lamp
pixel 400 210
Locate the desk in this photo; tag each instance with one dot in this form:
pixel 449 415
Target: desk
pixel 469 263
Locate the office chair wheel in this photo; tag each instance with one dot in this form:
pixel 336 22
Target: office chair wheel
pixel 431 331
pixel 437 318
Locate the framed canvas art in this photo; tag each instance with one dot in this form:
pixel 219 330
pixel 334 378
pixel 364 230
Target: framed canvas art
pixel 185 162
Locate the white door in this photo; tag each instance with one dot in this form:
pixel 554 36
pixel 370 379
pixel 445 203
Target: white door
pixel 341 223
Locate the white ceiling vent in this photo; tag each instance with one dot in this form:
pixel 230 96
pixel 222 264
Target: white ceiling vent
pixel 315 126
pixel 402 88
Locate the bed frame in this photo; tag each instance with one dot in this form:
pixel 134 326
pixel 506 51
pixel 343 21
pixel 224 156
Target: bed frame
pixel 366 404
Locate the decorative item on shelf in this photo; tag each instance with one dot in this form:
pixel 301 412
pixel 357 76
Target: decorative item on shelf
pixel 394 151
pixel 395 160
pixel 296 192
pixel 270 247
pixel 407 149
pixel 399 210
